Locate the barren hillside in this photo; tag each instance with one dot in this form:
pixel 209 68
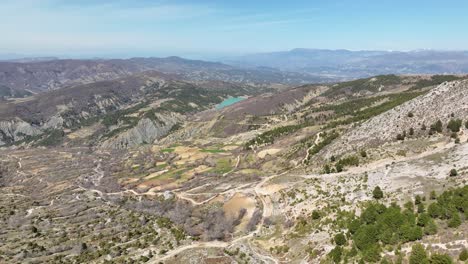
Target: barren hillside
pixel 447 101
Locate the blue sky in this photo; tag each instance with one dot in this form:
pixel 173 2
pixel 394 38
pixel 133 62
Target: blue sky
pixel 210 28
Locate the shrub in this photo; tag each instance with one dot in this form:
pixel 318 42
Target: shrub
pixel 410 114
pixel 409 205
pixel 338 167
pixel 421 208
pixel 454 125
pixel 463 255
pixel 377 193
pixel 336 253
pixel 417 199
pixel 340 239
pixel 437 127
pixel 453 172
pixel 418 255
pixel 434 210
pixel 455 221
pixel 411 131
pixel 315 215
pixel 400 137
pixel 440 259
pixel 372 254
pixel 423 219
pixel 348 161
pixel 354 225
pixel 430 228
pixel 363 153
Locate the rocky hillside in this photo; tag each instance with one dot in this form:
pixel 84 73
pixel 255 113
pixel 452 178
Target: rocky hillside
pixel 449 101
pixel 122 113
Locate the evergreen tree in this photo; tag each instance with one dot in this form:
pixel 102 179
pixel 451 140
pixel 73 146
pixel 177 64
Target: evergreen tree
pixel 440 259
pixel 421 208
pixel 430 228
pixel 336 254
pixel 377 193
pixel 418 255
pixel 454 125
pixel 455 221
pixel 340 239
pixel 417 199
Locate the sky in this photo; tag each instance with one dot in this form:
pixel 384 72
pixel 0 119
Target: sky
pixel 211 28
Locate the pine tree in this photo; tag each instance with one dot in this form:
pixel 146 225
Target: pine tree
pixel 377 193
pixel 441 259
pixel 455 221
pixel 418 255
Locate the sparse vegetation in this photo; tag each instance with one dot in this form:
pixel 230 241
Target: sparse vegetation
pixel 269 137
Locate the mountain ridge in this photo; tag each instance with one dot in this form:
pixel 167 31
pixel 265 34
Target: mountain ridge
pixel 358 64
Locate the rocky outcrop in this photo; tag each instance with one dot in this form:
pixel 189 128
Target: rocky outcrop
pixel 449 100
pixel 145 132
pixel 16 130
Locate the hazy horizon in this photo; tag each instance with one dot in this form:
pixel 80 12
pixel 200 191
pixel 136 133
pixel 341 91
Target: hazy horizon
pixel 211 28
pixel 193 56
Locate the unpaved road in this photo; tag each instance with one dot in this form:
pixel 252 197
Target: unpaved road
pixel 317 139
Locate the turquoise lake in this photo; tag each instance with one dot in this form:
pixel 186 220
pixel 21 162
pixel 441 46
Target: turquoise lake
pixel 229 101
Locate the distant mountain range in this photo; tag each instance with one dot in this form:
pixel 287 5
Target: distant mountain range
pixel 355 64
pixel 41 75
pixel 298 66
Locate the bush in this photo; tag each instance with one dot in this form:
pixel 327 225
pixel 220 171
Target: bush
pixel 315 215
pixel 437 127
pixel 363 153
pixel 410 114
pixel 400 137
pixel 454 125
pixel 377 193
pixel 453 172
pixel 434 210
pixel 455 221
pixel 440 259
pixel 372 254
pixel 421 208
pixel 417 199
pixel 348 161
pixel 430 228
pixel 418 255
pixel 340 239
pixel 463 255
pixel 336 253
